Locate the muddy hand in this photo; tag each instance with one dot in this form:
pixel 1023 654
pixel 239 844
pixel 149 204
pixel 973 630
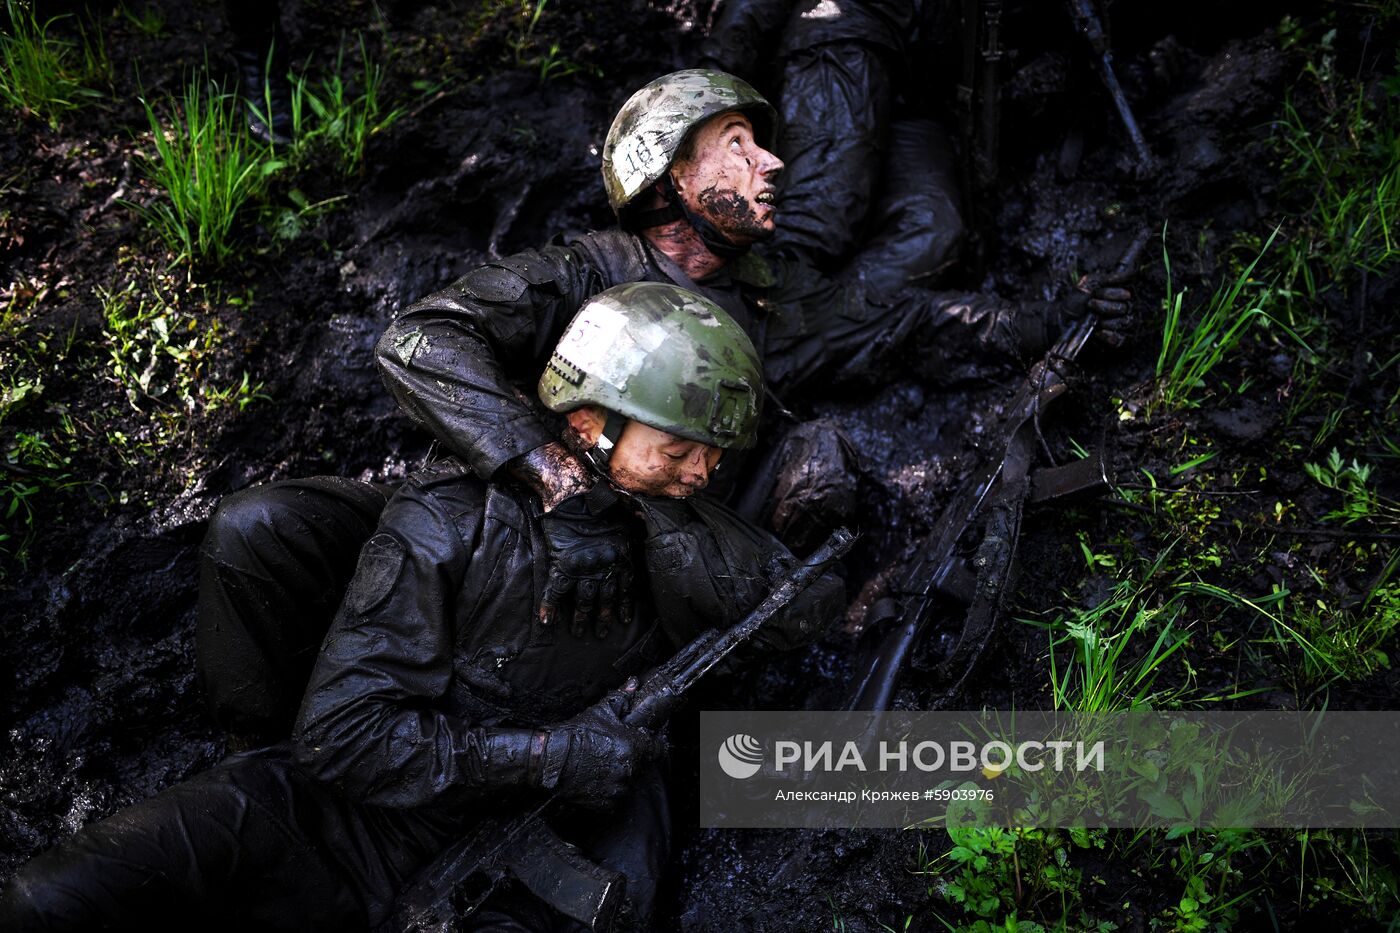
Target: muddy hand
pixel 590 564
pixel 1107 296
pixel 592 758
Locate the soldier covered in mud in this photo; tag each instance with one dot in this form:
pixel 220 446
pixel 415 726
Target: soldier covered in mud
pixel 688 169
pixel 701 203
pixel 442 695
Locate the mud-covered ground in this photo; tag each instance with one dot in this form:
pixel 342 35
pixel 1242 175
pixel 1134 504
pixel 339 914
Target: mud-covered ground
pixel 100 706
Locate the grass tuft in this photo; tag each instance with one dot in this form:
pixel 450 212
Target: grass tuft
pixel 45 75
pixel 1190 351
pixel 208 169
pixel 331 116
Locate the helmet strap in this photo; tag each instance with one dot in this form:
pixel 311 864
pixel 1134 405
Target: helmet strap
pixel 645 220
pixel 675 209
pixel 599 455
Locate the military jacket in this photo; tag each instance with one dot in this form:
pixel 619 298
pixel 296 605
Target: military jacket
pixel 438 641
pixel 463 361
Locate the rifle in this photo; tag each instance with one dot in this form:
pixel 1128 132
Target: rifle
pixel 979 92
pixel 992 495
pixel 529 849
pixel 1087 22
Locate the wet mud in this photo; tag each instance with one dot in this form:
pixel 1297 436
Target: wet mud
pixel 99 704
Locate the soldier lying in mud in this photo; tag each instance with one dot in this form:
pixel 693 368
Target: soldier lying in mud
pixel 441 693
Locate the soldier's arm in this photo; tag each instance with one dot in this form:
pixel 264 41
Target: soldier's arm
pixel 837 332
pixel 710 567
pixel 451 360
pixel 371 722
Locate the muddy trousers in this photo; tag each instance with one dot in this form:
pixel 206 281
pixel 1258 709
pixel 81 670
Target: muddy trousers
pixel 274 565
pixel 222 851
pixel 866 191
pixel 253 844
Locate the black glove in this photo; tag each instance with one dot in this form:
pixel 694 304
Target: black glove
pixel 591 758
pixel 590 562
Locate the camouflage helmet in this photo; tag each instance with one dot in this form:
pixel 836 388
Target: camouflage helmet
pixel 650 128
pixel 663 356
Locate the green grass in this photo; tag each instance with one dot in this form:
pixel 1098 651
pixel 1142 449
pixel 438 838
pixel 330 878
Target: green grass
pixel 159 355
pixel 150 21
pixel 999 879
pixel 211 174
pixel 518 22
pixel 1340 166
pixel 333 116
pixel 151 386
pixel 1359 501
pixel 43 74
pixel 1192 349
pixel 1110 657
pixel 208 170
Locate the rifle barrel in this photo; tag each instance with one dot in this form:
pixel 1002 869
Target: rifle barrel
pixel 801 577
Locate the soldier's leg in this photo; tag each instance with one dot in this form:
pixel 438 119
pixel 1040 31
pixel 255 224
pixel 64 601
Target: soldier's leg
pixel 917 227
pixel 835 104
pixel 856 336
pixel 257 37
pixel 742 38
pixel 636 840
pixel 273 567
pixel 222 851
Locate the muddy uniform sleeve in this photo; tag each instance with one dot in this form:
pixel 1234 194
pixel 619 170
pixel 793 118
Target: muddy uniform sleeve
pixel 832 332
pixel 372 721
pixel 451 359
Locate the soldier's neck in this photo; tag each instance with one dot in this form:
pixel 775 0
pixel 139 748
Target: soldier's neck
pixel 679 241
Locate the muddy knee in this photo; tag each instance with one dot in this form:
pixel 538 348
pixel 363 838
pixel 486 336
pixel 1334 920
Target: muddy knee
pixel 815 491
pixel 917 226
pixel 273 567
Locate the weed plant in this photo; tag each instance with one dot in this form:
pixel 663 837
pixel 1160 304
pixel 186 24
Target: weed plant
pixel 333 117
pixel 43 74
pixel 208 169
pixel 1189 352
pixel 1341 166
pixel 1000 877
pixel 1359 501
pixel 528 45
pixel 1117 650
pixel 150 21
pixel 154 385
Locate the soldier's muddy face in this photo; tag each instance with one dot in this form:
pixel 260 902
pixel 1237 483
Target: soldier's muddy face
pixel 647 461
pixel 730 179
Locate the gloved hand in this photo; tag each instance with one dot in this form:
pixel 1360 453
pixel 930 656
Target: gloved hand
pixel 590 562
pixel 1106 296
pixel 591 758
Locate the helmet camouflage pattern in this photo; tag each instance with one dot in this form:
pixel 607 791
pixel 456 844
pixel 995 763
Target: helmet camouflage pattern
pixel 650 127
pixel 663 356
